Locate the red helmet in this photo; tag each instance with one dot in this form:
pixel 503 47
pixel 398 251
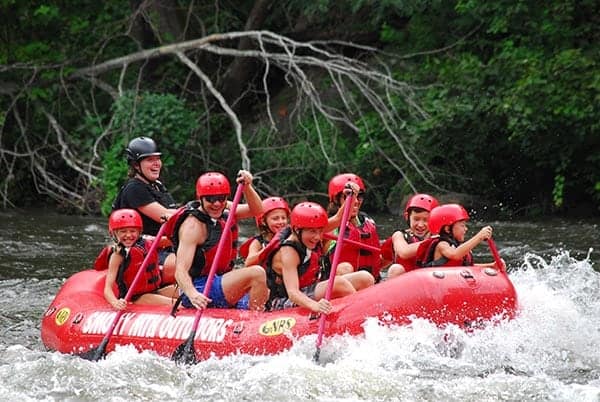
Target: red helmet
pixel 423 201
pixel 124 218
pixel 338 183
pixel 212 183
pixel 269 204
pixel 308 215
pixel 447 214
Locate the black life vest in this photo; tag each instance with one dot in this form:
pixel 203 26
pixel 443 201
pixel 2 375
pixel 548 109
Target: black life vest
pixel 426 252
pixel 308 269
pixel 205 254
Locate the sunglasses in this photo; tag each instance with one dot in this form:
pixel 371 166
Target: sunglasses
pixel 360 196
pixel 214 198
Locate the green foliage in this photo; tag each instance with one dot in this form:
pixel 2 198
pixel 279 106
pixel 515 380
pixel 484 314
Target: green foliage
pixel 162 117
pixel 558 190
pixel 510 90
pixel 513 102
pixel 113 174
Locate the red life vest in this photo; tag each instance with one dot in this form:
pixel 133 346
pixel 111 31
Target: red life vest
pixel 269 248
pixel 308 269
pixel 130 266
pixel 408 263
pixel 206 253
pixel 245 247
pixel 426 252
pixel 101 262
pixel 361 259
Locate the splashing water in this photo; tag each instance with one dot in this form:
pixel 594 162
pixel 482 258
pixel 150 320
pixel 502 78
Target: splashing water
pixel 549 352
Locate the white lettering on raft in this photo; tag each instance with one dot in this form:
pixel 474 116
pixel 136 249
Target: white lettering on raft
pixel 145 325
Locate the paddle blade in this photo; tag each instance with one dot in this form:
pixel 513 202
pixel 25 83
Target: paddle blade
pixel 95 354
pixel 317 354
pixel 185 353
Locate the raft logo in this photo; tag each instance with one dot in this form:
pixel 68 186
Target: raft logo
pixel 277 326
pixel 159 326
pixel 62 316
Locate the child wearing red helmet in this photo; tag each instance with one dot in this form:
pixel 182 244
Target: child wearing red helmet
pixel 274 218
pixel 125 226
pixel 293 272
pixel 449 224
pixel 404 243
pixel 361 228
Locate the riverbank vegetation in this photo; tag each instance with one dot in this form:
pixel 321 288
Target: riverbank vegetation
pixel 492 103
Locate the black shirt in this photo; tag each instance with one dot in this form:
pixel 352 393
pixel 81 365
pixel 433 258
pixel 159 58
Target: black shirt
pixel 135 193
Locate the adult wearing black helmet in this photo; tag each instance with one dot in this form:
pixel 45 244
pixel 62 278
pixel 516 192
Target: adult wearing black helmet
pixel 144 191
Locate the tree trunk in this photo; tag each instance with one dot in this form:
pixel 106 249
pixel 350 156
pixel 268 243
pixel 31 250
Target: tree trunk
pixel 242 69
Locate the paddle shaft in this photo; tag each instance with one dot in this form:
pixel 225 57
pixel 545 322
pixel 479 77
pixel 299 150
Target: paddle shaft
pixel 374 249
pixel 336 258
pixel 211 274
pixel 129 294
pixel 495 253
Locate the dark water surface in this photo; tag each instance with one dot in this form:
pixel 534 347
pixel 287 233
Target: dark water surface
pixel 550 352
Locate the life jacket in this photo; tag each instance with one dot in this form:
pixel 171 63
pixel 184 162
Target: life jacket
pixel 408 263
pixel 269 248
pixel 426 252
pixel 245 247
pixel 308 269
pixel 206 253
pixel 101 262
pixel 361 259
pixel 130 266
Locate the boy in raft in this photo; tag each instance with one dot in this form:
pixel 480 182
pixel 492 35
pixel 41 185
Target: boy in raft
pixel 293 271
pixel 196 235
pixel 275 217
pixel 448 226
pixel 125 226
pixel 404 243
pixel 361 228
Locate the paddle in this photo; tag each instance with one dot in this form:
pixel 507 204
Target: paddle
pixel 334 264
pixel 185 353
pixel 374 249
pixel 95 354
pixel 499 263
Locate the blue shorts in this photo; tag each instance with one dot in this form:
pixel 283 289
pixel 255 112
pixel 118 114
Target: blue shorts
pixel 216 294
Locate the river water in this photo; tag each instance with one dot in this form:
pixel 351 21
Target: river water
pixel 550 352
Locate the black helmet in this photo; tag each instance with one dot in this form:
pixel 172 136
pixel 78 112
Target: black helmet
pixel 140 148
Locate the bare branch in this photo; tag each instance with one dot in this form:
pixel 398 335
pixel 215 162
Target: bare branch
pixel 236 122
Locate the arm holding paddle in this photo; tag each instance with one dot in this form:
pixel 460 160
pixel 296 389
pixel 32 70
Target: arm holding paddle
pixel 253 206
pixel 191 233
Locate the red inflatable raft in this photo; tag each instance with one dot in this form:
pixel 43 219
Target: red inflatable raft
pixel 78 317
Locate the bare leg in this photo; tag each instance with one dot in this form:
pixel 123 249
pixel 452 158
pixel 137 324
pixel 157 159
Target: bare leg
pixel 251 279
pixel 395 270
pixel 169 291
pixel 155 299
pixel 341 287
pixel 344 268
pixel 360 279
